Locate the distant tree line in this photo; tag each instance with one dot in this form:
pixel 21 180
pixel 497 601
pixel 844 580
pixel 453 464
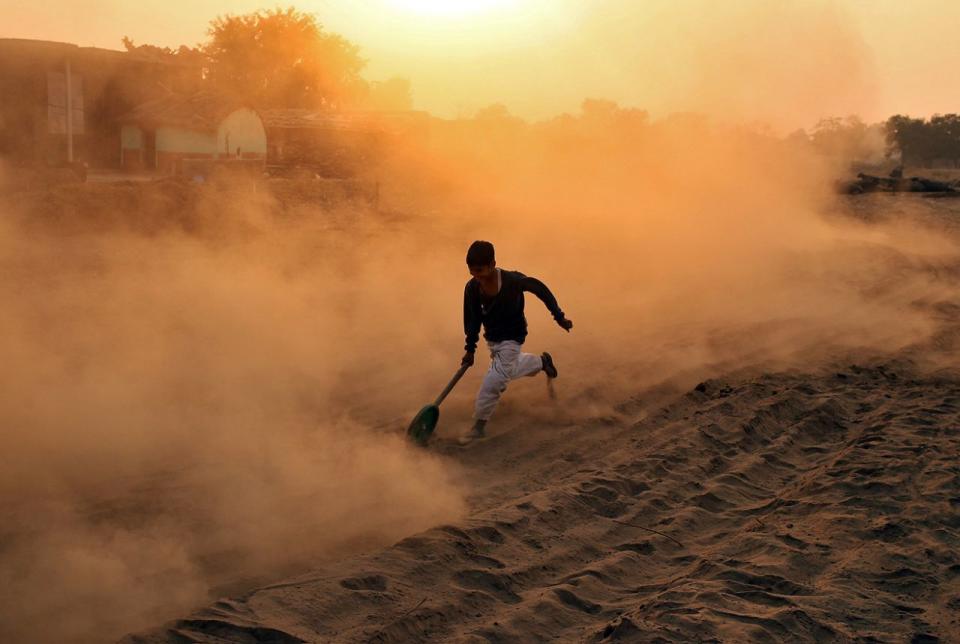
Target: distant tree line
pixel 923 141
pixel 282 58
pixel 909 141
pixel 849 138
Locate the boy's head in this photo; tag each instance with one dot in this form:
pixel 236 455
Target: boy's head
pixel 480 259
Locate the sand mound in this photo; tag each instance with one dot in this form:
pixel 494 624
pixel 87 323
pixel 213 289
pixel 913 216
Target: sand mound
pixel 801 507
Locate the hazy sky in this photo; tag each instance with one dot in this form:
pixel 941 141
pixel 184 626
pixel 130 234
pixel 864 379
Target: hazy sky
pixel 787 62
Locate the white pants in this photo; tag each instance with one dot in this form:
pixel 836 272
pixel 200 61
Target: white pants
pixel 506 363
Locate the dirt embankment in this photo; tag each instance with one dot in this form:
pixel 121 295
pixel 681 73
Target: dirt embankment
pixel 217 208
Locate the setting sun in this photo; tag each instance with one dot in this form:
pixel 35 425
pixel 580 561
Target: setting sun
pixel 450 9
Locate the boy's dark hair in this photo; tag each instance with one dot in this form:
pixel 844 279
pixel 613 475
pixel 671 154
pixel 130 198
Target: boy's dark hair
pixel 480 254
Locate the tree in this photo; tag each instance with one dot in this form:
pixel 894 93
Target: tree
pixel 182 54
pixel 603 113
pixel 944 132
pixel 283 58
pixel 495 112
pixel 599 109
pixel 838 137
pixel 911 137
pixel 391 94
pixel 187 68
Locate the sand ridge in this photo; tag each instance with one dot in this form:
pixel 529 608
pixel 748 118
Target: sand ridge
pixel 789 506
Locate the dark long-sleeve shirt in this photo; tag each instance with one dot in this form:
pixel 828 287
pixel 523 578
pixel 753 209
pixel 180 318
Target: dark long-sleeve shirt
pixel 502 315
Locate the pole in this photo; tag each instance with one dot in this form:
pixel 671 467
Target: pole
pixel 69 114
pixel 453 381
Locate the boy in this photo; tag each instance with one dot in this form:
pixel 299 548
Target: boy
pixel 494 298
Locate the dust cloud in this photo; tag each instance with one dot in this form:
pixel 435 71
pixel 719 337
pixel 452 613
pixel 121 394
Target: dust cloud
pixel 200 389
pixel 184 412
pixel 786 64
pixel 683 248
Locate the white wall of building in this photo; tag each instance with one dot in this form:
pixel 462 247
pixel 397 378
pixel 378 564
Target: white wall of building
pixel 242 129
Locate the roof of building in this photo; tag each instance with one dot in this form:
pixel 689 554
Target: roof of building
pixel 372 121
pixel 297 118
pixel 202 111
pixel 20 48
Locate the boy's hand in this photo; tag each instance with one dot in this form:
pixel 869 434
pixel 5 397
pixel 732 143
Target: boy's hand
pixel 565 324
pixel 467 359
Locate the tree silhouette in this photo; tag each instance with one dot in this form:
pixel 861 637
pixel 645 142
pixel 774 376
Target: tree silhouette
pixel 944 132
pixel 848 137
pixel 283 58
pixel 920 141
pixel 182 54
pixel 391 94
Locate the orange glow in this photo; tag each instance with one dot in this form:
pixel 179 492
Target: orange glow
pixel 451 9
pixel 542 57
pixel 205 380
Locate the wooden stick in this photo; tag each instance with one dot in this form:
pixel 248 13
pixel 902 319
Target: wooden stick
pixel 453 381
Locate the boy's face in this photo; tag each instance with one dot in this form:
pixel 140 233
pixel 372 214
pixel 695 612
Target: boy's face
pixel 484 271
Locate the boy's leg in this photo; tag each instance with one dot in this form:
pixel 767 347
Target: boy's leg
pixel 528 365
pixel 503 360
pixel 507 363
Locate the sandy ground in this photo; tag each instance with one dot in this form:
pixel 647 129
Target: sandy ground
pixel 762 505
pixel 758 507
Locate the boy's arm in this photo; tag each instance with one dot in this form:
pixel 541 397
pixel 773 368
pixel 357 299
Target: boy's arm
pixel 538 288
pixel 471 321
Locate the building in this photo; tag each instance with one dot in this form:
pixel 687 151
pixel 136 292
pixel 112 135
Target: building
pixel 174 131
pixel 335 143
pixel 59 103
